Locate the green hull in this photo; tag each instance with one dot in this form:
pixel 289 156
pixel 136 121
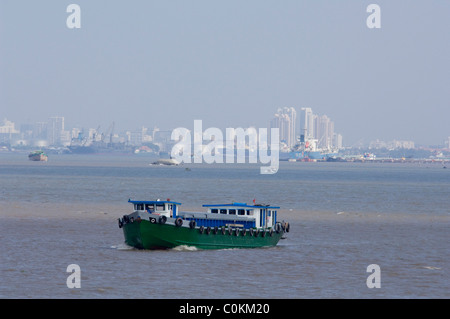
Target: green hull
pixel 146 235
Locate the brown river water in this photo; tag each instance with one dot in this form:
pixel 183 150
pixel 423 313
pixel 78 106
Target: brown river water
pixel 343 216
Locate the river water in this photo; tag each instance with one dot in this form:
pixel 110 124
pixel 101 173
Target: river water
pixel 343 216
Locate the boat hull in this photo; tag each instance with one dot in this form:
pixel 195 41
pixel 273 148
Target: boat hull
pixel 143 234
pixel 38 157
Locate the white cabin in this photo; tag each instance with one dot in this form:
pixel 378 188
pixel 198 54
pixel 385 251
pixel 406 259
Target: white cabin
pixel 228 215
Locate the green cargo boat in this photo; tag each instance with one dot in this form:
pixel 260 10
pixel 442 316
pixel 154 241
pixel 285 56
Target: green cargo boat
pixel 161 225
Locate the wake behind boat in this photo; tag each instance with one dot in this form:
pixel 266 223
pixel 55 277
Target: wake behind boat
pixel 160 225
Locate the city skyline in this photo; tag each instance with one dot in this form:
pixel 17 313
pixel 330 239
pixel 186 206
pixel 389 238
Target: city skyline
pixel 54 132
pixel 230 64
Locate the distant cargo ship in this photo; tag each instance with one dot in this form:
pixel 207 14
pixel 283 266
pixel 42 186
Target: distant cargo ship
pixel 38 156
pixel 307 151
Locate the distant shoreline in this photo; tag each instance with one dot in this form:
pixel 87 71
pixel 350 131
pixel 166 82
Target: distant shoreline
pixel 336 159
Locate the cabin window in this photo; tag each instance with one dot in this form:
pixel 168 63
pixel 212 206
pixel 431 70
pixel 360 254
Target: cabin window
pixel 241 211
pixel 139 206
pixel 149 207
pixel 269 213
pixel 249 212
pixel 223 211
pixel 232 212
pixel 214 211
pixel 159 206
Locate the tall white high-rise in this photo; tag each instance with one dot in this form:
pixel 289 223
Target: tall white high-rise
pixel 306 123
pixel 324 131
pixel 56 135
pixel 317 129
pixel 55 128
pixel 337 144
pixel 285 120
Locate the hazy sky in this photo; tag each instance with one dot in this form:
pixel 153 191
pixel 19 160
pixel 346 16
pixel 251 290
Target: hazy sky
pixel 229 63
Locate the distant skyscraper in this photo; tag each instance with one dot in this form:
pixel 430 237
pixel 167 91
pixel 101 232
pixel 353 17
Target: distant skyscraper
pixel 306 123
pixel 282 122
pixel 285 120
pixel 319 128
pixel 55 131
pixel 8 131
pixel 337 144
pixel 324 131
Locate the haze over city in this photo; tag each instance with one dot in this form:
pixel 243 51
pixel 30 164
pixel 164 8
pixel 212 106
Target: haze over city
pixel 230 64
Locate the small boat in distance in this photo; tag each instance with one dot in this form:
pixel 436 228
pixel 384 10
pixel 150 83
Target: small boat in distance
pixel 161 225
pixel 38 156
